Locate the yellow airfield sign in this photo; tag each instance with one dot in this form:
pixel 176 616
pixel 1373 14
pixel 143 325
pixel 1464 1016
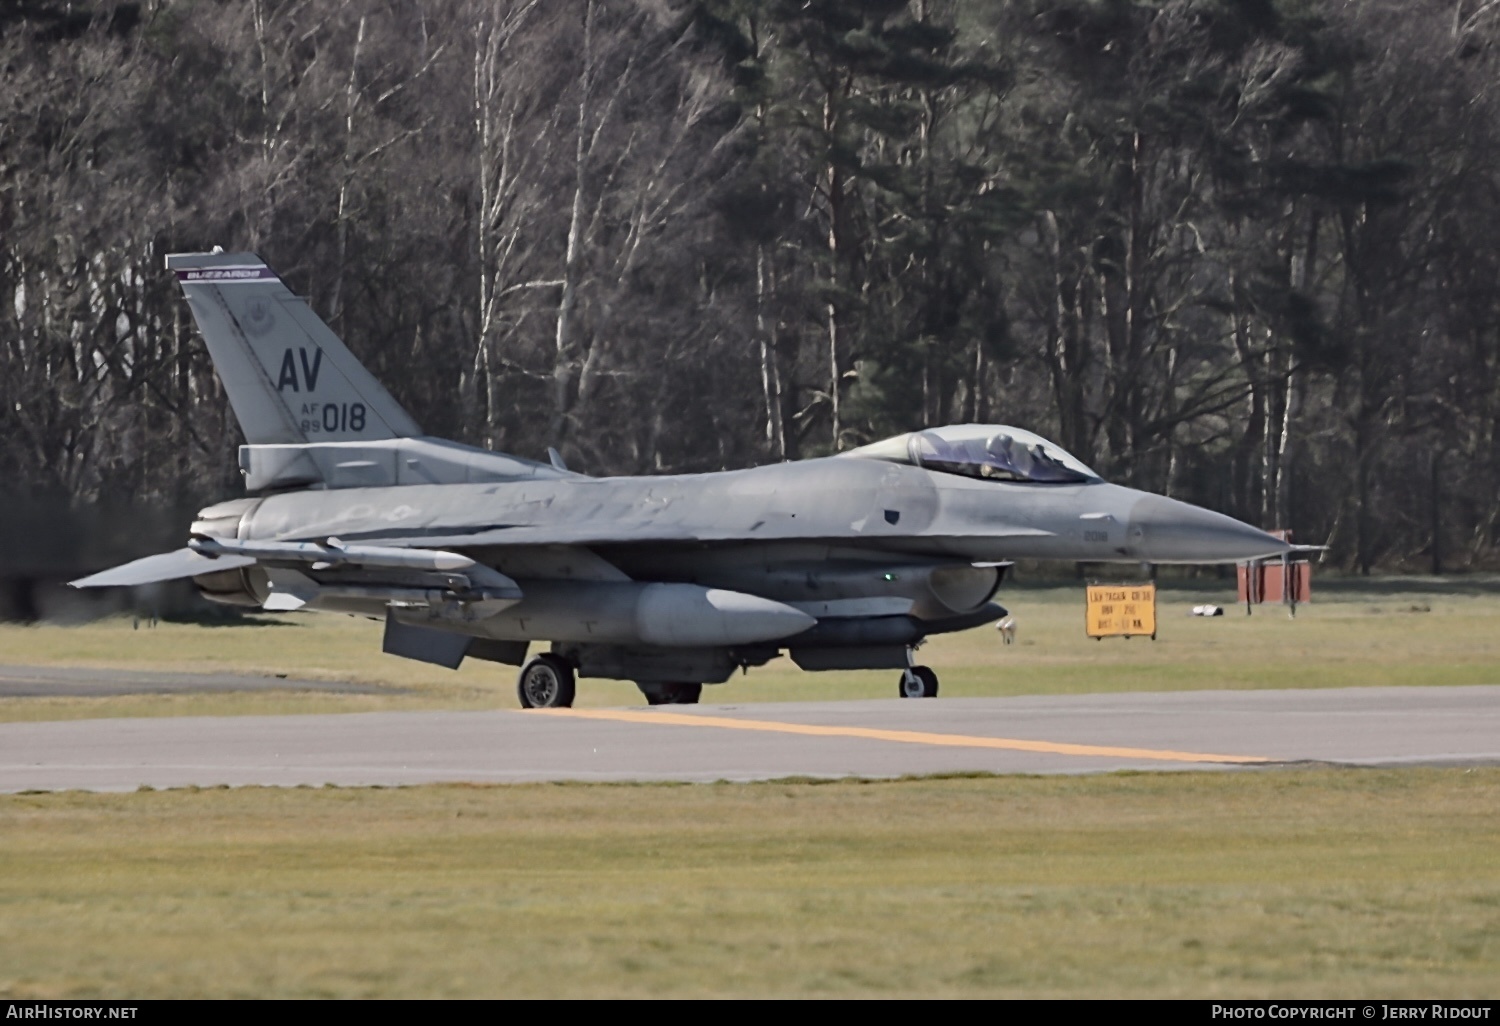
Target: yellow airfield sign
pixel 1121 610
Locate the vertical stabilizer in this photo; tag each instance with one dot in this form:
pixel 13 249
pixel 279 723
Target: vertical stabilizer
pixel 289 378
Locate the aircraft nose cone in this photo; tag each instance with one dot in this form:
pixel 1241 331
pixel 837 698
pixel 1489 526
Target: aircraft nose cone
pixel 1164 530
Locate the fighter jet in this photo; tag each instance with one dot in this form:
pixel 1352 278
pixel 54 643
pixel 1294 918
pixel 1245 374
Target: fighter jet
pixel 846 562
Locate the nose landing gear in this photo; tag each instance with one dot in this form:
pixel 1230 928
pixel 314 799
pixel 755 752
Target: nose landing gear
pixel 919 682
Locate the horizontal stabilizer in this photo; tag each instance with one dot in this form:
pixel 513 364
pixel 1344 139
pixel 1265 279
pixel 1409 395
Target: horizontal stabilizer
pixel 166 566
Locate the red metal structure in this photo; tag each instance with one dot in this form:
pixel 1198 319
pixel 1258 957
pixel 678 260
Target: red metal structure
pixel 1283 579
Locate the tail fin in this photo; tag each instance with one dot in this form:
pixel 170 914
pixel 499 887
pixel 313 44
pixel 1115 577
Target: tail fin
pixel 289 378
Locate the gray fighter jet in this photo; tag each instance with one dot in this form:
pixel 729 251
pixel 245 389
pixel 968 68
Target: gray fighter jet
pixel 846 562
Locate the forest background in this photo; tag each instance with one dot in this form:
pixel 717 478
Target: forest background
pixel 1243 252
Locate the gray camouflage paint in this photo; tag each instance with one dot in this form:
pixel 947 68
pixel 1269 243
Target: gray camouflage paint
pixel 845 560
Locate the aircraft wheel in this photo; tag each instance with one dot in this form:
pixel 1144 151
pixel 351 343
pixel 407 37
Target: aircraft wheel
pixel 919 682
pixel 546 682
pixel 663 693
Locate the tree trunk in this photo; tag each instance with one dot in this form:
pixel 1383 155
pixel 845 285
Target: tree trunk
pixel 1066 347
pixel 770 374
pixel 835 180
pixel 566 345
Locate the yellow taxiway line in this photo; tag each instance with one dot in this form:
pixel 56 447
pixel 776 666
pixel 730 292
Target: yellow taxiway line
pixel 909 737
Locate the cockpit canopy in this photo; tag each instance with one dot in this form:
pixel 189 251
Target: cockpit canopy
pixel 993 452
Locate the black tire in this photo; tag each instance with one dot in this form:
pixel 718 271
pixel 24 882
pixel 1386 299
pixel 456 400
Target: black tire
pixel 546 682
pixel 918 682
pixel 664 693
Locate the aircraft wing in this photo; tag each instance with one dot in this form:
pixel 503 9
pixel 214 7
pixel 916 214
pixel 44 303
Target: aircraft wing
pixel 416 551
pixel 165 566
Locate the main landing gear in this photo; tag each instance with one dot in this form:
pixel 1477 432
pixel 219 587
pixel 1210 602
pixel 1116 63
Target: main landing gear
pixel 665 693
pixel 919 682
pixel 546 682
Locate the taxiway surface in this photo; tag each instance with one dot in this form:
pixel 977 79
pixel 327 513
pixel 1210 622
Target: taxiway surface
pixel 78 682
pixel 1064 734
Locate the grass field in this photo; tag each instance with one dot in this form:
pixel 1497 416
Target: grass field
pixel 1410 631
pixel 1290 883
pixel 1282 883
